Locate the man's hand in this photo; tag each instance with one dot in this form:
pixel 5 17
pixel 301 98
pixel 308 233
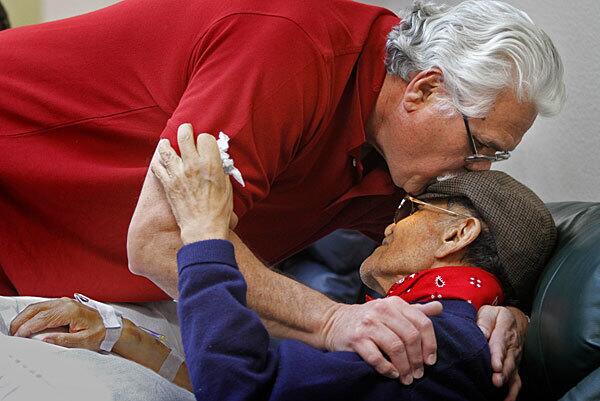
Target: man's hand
pixel 505 330
pixel 86 329
pixel 198 190
pixel 389 327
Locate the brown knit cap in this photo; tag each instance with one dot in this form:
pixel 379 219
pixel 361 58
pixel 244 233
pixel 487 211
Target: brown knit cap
pixel 520 222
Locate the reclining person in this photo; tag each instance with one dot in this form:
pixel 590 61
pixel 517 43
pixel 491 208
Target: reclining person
pixel 468 242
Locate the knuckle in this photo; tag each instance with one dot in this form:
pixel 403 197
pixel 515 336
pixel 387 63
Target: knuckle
pixel 385 368
pixel 375 360
pixel 424 324
pixel 412 336
pixel 356 338
pixel 30 308
pixel 73 306
pixel 397 348
pixel 367 321
pixel 191 170
pixel 164 153
pixel 380 307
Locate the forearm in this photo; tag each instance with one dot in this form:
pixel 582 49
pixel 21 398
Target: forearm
pixel 153 238
pixel 288 309
pixel 154 257
pixel 140 347
pixel 152 244
pixel 235 341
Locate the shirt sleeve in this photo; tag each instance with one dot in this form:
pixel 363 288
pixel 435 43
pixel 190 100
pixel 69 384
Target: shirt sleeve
pixel 258 79
pixel 227 347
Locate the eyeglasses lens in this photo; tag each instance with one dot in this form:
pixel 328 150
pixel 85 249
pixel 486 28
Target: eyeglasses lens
pixel 404 210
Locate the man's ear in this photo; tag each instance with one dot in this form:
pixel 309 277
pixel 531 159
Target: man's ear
pixel 458 237
pixel 420 88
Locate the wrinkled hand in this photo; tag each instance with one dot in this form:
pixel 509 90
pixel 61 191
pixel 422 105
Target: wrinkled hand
pixel 86 329
pixel 505 330
pixel 390 327
pixel 197 189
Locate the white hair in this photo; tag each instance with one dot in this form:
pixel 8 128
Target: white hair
pixel 482 47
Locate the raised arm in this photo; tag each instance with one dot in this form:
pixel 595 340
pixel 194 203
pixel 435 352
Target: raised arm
pixel 400 330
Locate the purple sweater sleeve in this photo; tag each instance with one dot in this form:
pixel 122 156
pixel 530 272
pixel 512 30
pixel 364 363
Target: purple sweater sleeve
pixel 229 358
pixel 226 345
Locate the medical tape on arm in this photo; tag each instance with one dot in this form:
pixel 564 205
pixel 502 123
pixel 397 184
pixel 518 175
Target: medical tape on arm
pixel 171 365
pixel 112 319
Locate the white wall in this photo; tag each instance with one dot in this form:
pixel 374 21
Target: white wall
pixel 57 9
pixel 560 157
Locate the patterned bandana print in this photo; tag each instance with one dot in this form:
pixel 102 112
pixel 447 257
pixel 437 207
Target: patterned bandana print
pixel 471 284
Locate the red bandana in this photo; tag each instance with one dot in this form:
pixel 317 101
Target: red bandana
pixel 471 284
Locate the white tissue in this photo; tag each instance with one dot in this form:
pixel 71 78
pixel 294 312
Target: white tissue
pixel 228 167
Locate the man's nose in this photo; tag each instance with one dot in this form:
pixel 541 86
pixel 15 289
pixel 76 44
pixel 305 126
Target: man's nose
pixel 479 166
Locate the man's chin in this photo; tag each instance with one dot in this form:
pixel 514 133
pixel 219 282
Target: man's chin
pixel 365 272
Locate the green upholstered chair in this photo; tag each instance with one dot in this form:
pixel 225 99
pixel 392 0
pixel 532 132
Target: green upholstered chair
pixel 561 358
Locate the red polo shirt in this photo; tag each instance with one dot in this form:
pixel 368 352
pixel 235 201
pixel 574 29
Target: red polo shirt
pixel 85 101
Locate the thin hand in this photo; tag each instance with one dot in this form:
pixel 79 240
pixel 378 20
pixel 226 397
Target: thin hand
pixel 197 189
pixel 505 330
pixel 389 327
pixel 86 329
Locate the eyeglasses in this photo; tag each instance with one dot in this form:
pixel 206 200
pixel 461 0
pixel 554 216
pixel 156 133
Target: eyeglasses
pixel 410 205
pixel 476 156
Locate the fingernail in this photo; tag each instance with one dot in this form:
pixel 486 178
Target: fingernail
pixel 417 374
pixel 431 359
pixel 394 375
pixel 408 379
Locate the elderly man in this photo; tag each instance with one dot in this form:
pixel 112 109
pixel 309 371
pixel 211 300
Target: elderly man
pixel 323 132
pixel 477 239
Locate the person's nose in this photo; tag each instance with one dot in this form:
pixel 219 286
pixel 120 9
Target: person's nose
pixel 389 229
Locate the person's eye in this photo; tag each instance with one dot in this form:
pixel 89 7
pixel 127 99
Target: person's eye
pixel 485 146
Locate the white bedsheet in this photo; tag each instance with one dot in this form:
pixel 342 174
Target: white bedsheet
pixel 33 370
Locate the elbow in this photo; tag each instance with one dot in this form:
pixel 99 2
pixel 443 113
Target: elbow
pixel 136 253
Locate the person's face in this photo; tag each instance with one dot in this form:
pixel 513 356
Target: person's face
pixel 420 143
pixel 423 240
pixel 408 247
